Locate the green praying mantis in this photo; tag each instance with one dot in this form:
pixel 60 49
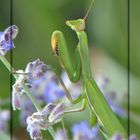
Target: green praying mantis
pixel 80 70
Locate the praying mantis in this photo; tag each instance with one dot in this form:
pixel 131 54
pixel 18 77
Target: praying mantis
pixel 80 70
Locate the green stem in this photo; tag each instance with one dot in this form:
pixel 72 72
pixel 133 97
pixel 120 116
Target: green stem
pixel 64 129
pixel 8 66
pixel 52 132
pixel 28 92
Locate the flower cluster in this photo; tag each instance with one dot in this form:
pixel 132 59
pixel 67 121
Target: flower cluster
pixel 60 135
pixel 38 121
pixel 34 70
pixel 6 39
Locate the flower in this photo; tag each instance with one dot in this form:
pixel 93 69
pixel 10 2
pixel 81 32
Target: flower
pixel 16 95
pixel 6 39
pixel 34 131
pixel 57 113
pixel 35 123
pixel 34 70
pixel 47 109
pixel 38 121
pixel 48 88
pixel 120 137
pixel 117 137
pixel 60 135
pixel 27 109
pixel 82 131
pixel 133 137
pixel 4 118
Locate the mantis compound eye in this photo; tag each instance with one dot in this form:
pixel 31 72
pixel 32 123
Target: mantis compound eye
pixel 55 45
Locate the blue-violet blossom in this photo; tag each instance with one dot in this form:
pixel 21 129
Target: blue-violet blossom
pixel 6 39
pixel 82 131
pixel 4 118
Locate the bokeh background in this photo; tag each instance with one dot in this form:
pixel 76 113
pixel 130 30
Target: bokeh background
pixel 107 29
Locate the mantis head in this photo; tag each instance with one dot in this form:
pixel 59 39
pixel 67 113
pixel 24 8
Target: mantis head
pixel 76 25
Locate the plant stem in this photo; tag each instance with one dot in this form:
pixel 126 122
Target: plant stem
pixel 52 132
pixel 28 92
pixel 8 66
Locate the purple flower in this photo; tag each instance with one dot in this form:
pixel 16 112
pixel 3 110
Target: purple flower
pixel 57 113
pixel 34 131
pixel 53 92
pixel 38 121
pixel 133 137
pixel 35 70
pixel 60 135
pixel 48 88
pixel 35 123
pixel 117 109
pixel 117 137
pixel 6 39
pixel 82 131
pixel 27 109
pixel 16 96
pixel 4 118
pixel 120 137
pixel 47 110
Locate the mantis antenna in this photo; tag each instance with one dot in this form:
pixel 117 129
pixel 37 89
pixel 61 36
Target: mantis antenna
pixel 87 13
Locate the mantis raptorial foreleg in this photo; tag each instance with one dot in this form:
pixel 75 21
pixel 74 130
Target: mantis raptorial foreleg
pixel 65 61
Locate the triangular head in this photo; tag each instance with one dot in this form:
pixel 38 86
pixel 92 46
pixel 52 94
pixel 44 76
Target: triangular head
pixel 76 25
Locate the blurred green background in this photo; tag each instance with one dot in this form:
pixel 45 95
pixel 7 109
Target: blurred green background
pixel 107 29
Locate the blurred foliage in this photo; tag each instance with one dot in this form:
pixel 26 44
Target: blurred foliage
pixel 107 28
